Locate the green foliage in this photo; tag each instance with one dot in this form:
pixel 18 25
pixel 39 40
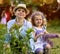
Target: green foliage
pixel 2 34
pixel 2 29
pixel 54 26
pixel 20 44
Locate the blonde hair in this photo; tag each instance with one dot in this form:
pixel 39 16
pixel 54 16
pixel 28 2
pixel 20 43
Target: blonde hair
pixel 42 15
pixel 45 23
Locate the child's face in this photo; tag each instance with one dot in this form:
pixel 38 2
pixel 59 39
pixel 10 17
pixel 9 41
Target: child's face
pixel 20 13
pixel 38 20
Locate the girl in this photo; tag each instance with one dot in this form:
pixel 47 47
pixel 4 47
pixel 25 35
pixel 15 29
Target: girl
pixel 39 25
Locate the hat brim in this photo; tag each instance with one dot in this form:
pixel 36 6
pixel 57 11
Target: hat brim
pixel 27 11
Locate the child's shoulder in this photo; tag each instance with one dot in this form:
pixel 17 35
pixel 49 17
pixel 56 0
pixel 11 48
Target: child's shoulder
pixel 27 23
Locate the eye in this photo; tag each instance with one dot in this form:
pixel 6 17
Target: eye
pixel 40 19
pixel 23 11
pixel 19 10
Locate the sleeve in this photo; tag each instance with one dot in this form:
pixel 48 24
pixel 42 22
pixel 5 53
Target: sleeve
pixel 29 25
pixel 32 42
pixel 10 24
pixel 8 35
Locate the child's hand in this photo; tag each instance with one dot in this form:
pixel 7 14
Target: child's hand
pixel 40 34
pixel 59 35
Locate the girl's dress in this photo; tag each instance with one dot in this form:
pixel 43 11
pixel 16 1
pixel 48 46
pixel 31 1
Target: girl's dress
pixel 40 43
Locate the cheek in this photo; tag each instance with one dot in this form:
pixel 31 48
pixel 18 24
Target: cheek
pixel 24 14
pixel 36 22
pixel 16 13
pixel 42 22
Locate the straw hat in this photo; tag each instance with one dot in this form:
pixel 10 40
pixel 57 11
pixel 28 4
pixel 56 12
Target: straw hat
pixel 21 6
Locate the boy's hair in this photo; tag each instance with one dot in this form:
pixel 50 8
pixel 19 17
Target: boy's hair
pixel 42 15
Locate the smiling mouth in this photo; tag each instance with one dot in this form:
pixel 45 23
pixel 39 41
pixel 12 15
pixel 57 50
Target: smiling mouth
pixel 20 14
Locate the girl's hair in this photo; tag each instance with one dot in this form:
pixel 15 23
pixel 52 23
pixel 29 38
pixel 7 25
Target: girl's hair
pixel 41 14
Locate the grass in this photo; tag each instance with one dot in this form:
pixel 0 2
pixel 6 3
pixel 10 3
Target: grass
pixel 56 48
pixel 54 27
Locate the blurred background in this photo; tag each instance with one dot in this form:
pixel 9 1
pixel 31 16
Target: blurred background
pixel 50 8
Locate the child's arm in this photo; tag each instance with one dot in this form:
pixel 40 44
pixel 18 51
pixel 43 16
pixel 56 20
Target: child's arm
pixel 45 32
pixel 37 36
pixel 40 34
pixel 49 35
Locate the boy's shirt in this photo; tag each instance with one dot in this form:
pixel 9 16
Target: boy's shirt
pixel 25 26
